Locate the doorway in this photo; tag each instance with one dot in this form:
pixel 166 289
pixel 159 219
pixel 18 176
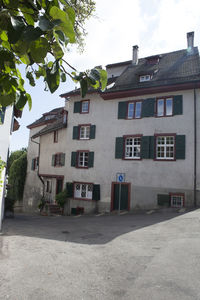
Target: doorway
pixel 59 185
pixel 125 196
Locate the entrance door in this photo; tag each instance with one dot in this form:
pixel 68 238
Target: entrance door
pixel 59 185
pixel 124 199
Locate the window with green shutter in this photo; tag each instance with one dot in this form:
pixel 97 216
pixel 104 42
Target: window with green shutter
pixel 73 159
pixel 163 199
pixel 62 159
pixel 180 147
pixel 70 189
pixel 122 110
pixel 119 147
pixel 53 160
pixel 77 107
pixel 91 160
pixel 96 192
pixel 148 107
pixel 147 147
pixel 75 134
pixel 178 105
pixel 92 131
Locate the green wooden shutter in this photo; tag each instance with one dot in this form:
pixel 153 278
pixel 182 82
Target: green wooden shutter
pixel 75 135
pixel 2 115
pixel 92 131
pixel 147 147
pixel 163 199
pixel 33 164
pixel 77 107
pixel 91 160
pixel 119 147
pixel 180 147
pixel 62 159
pixel 73 159
pixel 96 192
pixel 53 160
pixel 122 110
pixel 178 105
pixel 148 107
pixel 70 189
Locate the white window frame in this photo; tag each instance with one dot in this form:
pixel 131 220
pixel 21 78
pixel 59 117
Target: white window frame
pixel 85 190
pixel 83 109
pixel 164 147
pixel 134 104
pixel 131 149
pixel 83 157
pixel 84 133
pixel 146 77
pixel 164 112
pixel 175 199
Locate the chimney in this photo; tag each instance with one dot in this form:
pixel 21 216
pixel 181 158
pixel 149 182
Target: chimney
pixel 135 55
pixel 190 40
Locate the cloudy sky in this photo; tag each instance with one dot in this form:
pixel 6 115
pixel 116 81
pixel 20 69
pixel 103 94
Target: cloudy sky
pixel 156 26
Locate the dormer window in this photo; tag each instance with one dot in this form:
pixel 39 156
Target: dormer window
pixel 49 117
pixel 145 78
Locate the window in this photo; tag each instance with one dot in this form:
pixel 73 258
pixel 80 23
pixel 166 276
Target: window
pixel 145 78
pixel 83 159
pixel 55 136
pixel 134 110
pixel 48 186
pixel 49 117
pixel 164 107
pixel 84 133
pixel 165 147
pixel 58 160
pixel 83 190
pixel 85 107
pixel 35 163
pixel 177 200
pixel 132 147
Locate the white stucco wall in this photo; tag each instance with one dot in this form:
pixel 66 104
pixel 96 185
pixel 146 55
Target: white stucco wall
pixel 5 133
pixel 147 177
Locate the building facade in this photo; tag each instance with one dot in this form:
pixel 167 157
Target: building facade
pixel 142 130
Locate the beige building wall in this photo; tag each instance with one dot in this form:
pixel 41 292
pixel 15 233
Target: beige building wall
pixel 33 189
pixel 147 177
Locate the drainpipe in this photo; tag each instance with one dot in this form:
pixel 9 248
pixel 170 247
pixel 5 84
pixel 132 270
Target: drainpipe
pixel 195 149
pixel 39 165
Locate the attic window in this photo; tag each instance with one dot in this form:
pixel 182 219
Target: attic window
pixel 49 117
pixel 145 78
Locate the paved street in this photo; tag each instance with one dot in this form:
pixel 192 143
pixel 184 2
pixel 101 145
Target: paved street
pixel 133 256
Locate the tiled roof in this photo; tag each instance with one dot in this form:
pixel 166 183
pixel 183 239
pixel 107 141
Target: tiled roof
pixel 172 68
pixel 176 67
pixel 58 124
pixel 43 121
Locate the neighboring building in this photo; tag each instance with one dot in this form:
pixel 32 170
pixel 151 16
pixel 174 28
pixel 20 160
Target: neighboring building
pixel 144 126
pixel 8 124
pixel 34 185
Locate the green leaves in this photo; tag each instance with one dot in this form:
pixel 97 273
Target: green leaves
pixel 67 22
pixel 35 33
pixel 53 77
pixel 39 49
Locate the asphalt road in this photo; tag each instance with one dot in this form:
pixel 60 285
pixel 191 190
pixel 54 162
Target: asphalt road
pixel 143 256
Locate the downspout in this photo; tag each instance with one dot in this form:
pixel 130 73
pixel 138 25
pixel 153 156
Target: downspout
pixel 39 165
pixel 195 149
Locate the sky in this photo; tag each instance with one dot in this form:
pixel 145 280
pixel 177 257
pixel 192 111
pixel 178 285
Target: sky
pixel 156 26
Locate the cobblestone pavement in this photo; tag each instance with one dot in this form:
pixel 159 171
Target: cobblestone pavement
pixel 132 256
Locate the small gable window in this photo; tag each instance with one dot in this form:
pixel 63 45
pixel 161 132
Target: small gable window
pixel 85 107
pixel 146 77
pixel 55 136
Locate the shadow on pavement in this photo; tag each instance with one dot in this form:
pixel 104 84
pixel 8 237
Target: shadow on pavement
pixel 90 230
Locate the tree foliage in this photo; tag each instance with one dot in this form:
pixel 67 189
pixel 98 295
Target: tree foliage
pixel 13 156
pixel 36 33
pixel 17 176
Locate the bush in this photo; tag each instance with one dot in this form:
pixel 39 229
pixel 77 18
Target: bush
pixel 61 198
pixel 9 204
